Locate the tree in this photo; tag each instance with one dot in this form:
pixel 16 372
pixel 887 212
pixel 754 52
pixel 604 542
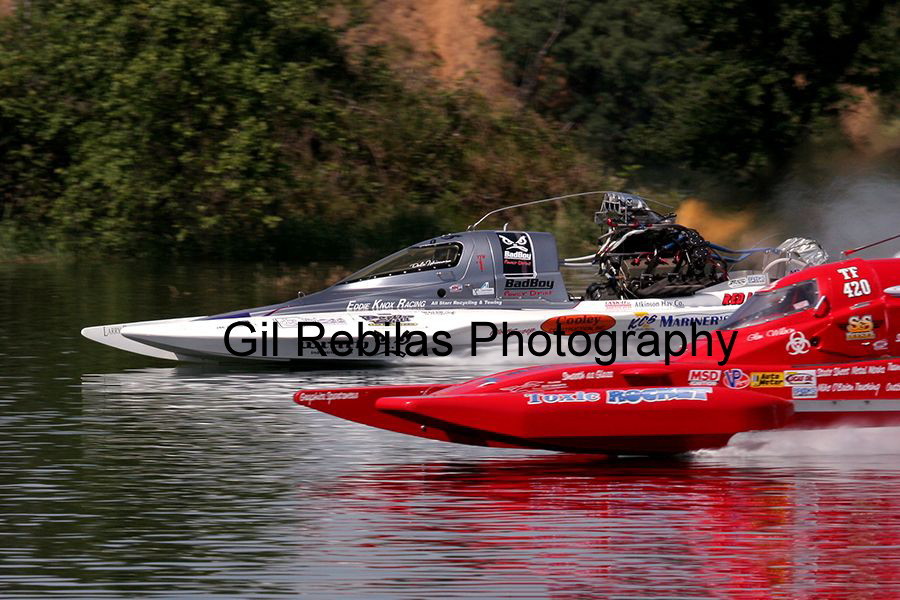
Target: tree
pixel 243 128
pixel 731 88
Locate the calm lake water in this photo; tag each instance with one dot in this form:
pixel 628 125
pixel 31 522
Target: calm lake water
pixel 121 476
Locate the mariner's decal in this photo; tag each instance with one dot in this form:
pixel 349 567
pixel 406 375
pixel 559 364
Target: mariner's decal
pixel 518 254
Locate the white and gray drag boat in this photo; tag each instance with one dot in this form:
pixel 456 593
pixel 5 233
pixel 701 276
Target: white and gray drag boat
pixel 449 295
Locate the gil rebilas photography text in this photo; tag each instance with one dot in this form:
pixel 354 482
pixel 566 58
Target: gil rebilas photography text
pixel 605 346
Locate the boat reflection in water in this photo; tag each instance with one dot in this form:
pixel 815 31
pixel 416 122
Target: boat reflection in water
pixel 704 526
pixel 216 483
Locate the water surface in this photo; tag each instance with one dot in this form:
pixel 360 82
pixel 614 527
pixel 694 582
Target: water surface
pixel 122 476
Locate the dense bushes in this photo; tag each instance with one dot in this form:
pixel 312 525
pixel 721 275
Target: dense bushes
pixel 728 87
pixel 241 128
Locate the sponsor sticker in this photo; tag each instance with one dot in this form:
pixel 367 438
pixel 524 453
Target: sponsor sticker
pixel 704 376
pixel 569 324
pixel 735 379
pixel 804 392
pixel 656 395
pixel 381 304
pixel 756 336
pixel 800 378
pixel 530 284
pixel 618 305
pixel 533 385
pixel 735 298
pixel 860 327
pixel 642 320
pixel 797 344
pixel 484 290
pixel 309 396
pixel 557 398
pixel 758 279
pixel 767 379
pixel 388 320
pixel 290 322
pixel 700 321
pixel 518 254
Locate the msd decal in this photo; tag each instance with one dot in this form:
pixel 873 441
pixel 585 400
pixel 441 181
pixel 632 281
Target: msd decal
pixel 704 376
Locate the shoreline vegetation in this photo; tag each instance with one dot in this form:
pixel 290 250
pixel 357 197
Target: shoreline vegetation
pixel 255 129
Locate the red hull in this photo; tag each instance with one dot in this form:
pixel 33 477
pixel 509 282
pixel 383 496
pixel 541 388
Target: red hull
pixel 624 409
pixel 827 361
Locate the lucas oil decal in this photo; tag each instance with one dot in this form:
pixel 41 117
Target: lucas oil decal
pixel 518 254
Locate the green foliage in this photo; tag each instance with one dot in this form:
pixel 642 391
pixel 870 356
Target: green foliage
pixel 731 87
pixel 241 127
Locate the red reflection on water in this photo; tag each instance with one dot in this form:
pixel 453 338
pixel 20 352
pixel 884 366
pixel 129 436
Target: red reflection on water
pixel 582 527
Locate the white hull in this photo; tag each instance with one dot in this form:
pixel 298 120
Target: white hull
pixel 199 339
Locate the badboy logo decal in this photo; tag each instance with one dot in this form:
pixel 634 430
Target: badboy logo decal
pixel 518 254
pixel 537 284
pixel 656 395
pixel 569 324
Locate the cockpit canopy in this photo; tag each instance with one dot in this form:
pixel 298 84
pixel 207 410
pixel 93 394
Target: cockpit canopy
pixel 415 259
pixel 768 306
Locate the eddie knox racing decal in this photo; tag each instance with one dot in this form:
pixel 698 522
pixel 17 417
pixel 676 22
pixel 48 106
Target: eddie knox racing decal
pixel 518 254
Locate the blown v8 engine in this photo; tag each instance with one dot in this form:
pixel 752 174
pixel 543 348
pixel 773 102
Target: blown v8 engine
pixel 648 255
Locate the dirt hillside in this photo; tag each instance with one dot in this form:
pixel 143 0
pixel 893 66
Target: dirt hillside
pixel 445 39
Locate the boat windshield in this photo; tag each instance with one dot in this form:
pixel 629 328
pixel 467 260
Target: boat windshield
pixel 767 306
pixel 411 260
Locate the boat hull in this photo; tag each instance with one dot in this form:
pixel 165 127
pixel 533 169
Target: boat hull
pixel 495 336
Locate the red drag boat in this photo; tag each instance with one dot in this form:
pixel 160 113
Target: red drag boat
pixel 820 347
